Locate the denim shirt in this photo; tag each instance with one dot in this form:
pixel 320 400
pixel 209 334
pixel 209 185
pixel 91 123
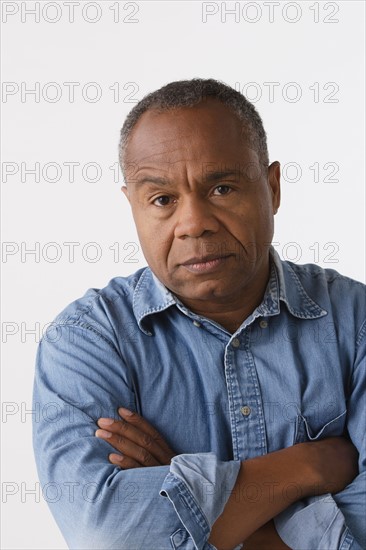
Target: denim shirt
pixel 293 371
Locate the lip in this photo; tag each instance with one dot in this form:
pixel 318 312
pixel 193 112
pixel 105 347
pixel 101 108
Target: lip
pixel 204 264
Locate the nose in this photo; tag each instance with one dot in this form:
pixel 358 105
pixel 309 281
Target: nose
pixel 195 218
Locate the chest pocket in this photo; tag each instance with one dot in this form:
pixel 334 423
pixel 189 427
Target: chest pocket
pixel 305 429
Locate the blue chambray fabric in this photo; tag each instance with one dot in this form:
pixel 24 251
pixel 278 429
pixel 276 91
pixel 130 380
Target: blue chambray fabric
pixel 294 371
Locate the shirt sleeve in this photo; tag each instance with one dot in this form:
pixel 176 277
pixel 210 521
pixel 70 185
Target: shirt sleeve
pixel 80 377
pixel 198 487
pixel 336 521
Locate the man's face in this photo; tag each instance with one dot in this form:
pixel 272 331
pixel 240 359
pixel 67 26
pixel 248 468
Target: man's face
pixel 199 192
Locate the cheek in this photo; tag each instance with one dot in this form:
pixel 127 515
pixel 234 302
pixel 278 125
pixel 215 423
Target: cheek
pixel 155 236
pixel 155 245
pixel 252 215
pixel 250 230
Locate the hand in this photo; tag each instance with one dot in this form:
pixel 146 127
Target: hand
pixel 138 442
pixel 265 537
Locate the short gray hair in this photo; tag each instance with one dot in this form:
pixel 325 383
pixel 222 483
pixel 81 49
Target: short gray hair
pixel 188 93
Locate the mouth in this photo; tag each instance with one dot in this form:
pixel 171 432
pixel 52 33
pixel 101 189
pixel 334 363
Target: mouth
pixel 205 264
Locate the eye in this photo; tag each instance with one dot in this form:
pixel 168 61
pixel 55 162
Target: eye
pixel 222 190
pixel 163 200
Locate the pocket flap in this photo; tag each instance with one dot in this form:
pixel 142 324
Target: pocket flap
pixel 305 431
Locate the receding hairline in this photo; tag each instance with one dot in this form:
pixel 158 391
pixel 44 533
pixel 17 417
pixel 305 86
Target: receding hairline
pixel 192 93
pixel 157 110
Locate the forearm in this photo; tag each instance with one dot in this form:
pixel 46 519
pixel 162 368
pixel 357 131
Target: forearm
pixel 267 485
pixel 264 538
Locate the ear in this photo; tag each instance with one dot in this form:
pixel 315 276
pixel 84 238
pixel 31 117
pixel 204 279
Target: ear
pixel 125 191
pixel 274 177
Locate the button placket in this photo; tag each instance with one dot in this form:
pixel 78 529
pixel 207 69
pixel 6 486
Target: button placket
pixel 231 359
pixel 249 410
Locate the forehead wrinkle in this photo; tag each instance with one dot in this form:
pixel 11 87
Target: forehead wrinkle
pixel 165 153
pixel 162 141
pixel 185 175
pixel 167 166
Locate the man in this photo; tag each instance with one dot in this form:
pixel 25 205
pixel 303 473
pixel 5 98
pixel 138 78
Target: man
pixel 237 373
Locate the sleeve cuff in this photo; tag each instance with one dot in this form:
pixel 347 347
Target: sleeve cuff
pixel 198 486
pixel 313 523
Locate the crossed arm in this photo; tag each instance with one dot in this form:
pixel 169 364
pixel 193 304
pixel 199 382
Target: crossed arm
pixel 104 506
pixel 316 468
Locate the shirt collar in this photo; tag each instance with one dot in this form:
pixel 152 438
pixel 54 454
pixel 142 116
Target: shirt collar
pixel 151 296
pixel 284 285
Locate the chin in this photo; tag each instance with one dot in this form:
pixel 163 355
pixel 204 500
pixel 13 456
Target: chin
pixel 204 290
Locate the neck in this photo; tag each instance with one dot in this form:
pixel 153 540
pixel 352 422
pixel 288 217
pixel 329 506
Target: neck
pixel 231 311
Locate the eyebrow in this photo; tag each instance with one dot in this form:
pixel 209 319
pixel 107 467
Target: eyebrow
pixel 210 177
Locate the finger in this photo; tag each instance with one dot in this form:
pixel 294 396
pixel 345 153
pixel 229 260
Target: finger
pixel 124 462
pixel 125 433
pixel 128 448
pixel 142 424
pixel 136 434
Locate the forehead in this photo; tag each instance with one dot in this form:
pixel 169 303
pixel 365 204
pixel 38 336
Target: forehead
pixel 207 132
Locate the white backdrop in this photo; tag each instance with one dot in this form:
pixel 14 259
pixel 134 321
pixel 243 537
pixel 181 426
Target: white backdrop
pixel 71 72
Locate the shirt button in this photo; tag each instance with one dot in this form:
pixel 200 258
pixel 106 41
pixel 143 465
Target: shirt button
pixel 196 324
pixel 235 343
pixel 245 411
pixel 263 324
